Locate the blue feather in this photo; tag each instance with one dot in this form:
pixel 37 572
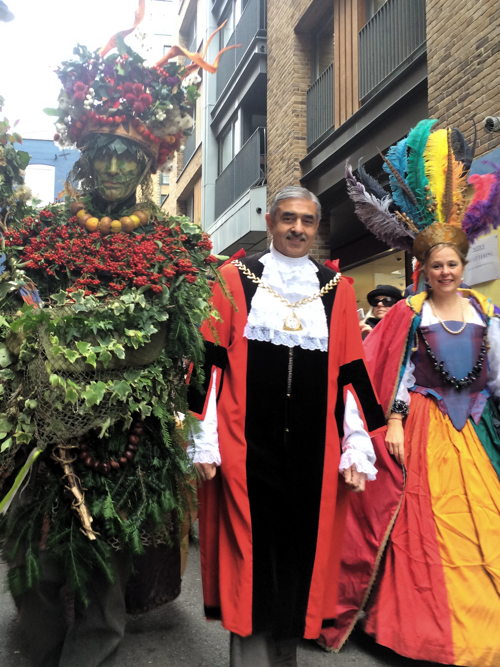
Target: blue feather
pixel 397 156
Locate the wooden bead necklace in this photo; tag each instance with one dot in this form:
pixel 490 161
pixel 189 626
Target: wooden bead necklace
pixel 113 464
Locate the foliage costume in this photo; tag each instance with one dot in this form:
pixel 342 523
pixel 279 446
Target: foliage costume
pixel 101 308
pixel 425 570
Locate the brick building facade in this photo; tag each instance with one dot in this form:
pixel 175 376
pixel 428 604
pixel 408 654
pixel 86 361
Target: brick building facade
pixel 316 83
pixel 463 52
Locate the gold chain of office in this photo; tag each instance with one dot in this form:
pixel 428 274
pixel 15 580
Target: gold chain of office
pixel 292 321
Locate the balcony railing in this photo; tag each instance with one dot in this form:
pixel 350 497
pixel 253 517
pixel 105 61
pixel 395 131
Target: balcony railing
pixel 320 106
pixel 247 168
pixel 252 20
pixel 388 39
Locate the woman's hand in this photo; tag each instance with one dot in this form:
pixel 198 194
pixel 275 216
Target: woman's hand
pixel 355 480
pixel 395 439
pixel 205 471
pixel 365 329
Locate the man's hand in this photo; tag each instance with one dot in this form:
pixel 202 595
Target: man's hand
pixel 355 480
pixel 205 471
pixel 395 439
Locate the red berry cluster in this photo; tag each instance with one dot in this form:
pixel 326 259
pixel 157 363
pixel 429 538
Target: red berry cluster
pixel 107 265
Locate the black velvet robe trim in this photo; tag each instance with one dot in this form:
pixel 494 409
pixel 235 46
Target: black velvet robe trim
pixel 285 437
pixel 215 355
pixel 355 374
pixel 213 613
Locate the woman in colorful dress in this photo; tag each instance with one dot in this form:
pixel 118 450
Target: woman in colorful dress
pixel 430 587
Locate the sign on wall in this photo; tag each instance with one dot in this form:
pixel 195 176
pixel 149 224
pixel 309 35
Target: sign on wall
pixel 484 263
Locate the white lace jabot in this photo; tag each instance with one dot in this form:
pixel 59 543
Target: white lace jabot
pixel 293 278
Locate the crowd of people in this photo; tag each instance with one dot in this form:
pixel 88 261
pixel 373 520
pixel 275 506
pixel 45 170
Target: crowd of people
pixel 347 471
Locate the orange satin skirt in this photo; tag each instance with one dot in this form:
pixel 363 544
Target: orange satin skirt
pixel 438 595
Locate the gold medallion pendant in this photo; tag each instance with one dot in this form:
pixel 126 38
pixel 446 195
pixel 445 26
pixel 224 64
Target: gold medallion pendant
pixel 292 323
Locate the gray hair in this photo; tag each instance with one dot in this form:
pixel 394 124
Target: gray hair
pixel 294 192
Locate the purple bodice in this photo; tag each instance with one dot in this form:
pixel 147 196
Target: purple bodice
pixel 459 354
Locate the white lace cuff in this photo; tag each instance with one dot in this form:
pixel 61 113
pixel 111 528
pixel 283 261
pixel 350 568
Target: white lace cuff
pixel 358 459
pixel 203 452
pixel 204 445
pixel 357 447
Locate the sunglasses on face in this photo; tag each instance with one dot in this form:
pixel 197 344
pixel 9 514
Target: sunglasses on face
pixel 386 301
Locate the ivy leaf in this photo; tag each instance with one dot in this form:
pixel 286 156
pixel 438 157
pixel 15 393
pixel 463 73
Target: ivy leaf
pixel 91 359
pixel 117 349
pixel 83 348
pixel 5 356
pixel 121 388
pixel 23 159
pixel 6 444
pixel 94 393
pixel 56 380
pixel 105 357
pixel 71 355
pixel 71 395
pixel 5 425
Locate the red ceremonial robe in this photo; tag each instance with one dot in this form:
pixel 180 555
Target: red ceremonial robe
pixel 271 522
pixel 371 515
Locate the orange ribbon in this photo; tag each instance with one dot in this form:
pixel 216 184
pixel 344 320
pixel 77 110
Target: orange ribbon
pixel 198 59
pixel 139 15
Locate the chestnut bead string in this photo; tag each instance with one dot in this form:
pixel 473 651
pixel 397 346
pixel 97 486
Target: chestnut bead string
pixel 118 462
pixel 106 224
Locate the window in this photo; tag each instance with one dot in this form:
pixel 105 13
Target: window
pixel 322 55
pixel 228 144
pixel 232 14
pixel 189 37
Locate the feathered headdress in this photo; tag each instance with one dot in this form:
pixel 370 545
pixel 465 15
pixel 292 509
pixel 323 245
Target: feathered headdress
pixel 427 203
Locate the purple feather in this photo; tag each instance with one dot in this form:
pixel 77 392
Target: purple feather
pixel 483 215
pixel 375 215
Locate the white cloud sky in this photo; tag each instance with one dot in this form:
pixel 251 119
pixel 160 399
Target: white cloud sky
pixel 41 35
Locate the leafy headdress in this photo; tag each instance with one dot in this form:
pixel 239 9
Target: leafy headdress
pixel 113 92
pixel 428 201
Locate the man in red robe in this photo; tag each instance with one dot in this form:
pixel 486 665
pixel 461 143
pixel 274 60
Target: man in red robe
pixel 287 406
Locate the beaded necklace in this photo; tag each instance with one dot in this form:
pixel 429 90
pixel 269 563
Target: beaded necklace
pixel 106 224
pixel 446 328
pixel 440 366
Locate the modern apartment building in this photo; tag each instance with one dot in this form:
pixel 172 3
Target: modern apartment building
pixel 221 176
pixel 313 84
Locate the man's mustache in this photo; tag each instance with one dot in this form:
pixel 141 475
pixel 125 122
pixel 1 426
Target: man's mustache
pixel 298 237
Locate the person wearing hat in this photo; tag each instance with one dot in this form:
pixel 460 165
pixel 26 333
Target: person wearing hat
pixel 94 476
pixel 380 299
pixel 435 363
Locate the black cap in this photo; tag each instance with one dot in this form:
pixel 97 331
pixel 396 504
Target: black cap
pixel 383 290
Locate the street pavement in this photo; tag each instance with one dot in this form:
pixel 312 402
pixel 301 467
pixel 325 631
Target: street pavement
pixel 177 635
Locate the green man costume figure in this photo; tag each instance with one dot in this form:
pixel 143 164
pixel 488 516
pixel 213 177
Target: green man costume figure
pixel 101 300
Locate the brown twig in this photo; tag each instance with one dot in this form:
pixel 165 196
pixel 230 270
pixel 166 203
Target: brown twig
pixel 63 456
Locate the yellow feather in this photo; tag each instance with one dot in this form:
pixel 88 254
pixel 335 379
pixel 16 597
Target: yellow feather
pixel 436 160
pixel 458 184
